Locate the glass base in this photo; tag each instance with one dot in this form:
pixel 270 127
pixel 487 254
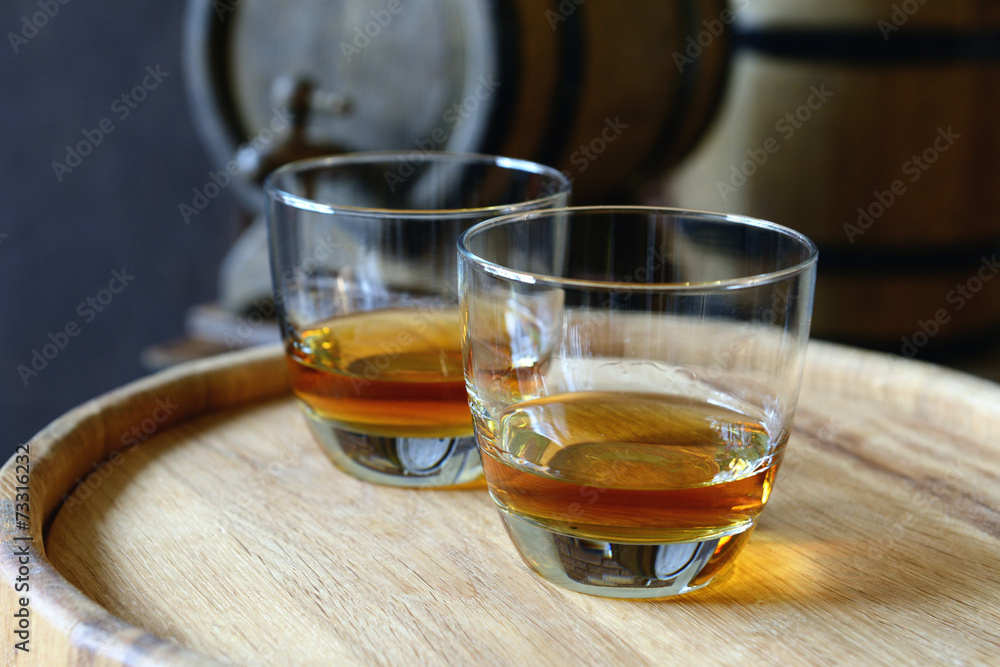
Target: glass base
pixel 622 570
pixel 398 461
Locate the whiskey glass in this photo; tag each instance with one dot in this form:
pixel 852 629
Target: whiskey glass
pixel 633 374
pixel 364 270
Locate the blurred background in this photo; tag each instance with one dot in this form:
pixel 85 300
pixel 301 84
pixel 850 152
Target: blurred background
pixel 135 141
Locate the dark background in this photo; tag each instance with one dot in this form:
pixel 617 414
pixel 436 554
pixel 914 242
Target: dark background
pixel 60 241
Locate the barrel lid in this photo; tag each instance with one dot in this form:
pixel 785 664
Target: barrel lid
pixel 137 546
pixel 269 83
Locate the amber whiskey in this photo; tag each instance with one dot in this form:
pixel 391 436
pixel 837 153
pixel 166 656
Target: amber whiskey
pixel 395 372
pixel 633 468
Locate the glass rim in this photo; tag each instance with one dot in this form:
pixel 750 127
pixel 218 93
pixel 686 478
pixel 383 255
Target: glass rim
pixel 415 157
pixel 742 282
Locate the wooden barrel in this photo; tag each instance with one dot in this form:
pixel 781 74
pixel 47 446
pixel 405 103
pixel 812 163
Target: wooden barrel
pixel 871 126
pixel 190 519
pixel 600 89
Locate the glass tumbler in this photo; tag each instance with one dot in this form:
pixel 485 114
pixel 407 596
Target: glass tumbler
pixel 364 269
pixel 633 373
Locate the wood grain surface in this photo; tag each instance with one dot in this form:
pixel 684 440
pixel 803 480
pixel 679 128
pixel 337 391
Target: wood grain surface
pixel 226 537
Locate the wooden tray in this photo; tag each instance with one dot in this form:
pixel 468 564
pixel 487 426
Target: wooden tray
pixel 225 535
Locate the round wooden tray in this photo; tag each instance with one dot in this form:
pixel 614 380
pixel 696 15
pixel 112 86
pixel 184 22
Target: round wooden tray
pixel 219 532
